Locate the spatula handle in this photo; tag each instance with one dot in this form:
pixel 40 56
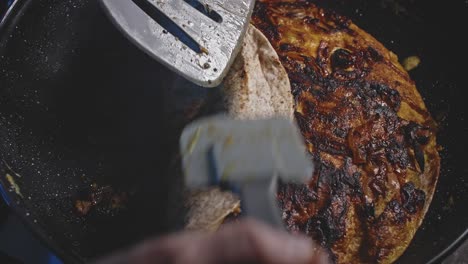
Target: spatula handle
pixel 259 200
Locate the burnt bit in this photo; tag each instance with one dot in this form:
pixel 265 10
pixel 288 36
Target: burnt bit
pixel 369 210
pixel 342 59
pixel 333 187
pixel 308 20
pixel 285 47
pixel 336 22
pixel 292 199
pixel 102 199
pixel 417 136
pixel 412 199
pixel 261 18
pixel 373 54
pixel 383 92
pixel 329 224
pixel 419 156
pixel 322 59
pixel 342 181
pixel 339 132
pixel 378 239
pixel 298 194
pixel 83 207
pixel 396 210
pixel 396 153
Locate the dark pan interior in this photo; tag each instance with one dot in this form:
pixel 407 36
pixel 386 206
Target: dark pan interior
pixel 80 105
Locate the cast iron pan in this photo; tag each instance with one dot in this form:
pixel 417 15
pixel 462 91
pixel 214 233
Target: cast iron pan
pixel 80 107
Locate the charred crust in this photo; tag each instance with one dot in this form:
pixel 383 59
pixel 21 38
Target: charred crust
pixel 373 54
pixel 417 136
pixel 369 210
pixel 349 114
pixel 342 59
pixel 397 212
pixel 412 199
pixel 288 47
pixel 329 224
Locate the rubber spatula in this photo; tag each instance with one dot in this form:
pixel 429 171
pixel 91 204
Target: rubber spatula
pixel 198 39
pixel 248 157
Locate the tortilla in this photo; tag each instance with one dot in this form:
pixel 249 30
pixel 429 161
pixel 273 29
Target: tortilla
pixel 256 87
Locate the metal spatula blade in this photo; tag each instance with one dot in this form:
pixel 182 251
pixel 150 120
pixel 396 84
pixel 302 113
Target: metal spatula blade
pixel 197 39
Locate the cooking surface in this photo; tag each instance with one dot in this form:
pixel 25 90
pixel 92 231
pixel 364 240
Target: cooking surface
pixel 15 239
pixel 121 113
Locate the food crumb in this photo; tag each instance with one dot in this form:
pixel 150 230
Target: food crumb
pixel 14 185
pixel 411 62
pixel 83 207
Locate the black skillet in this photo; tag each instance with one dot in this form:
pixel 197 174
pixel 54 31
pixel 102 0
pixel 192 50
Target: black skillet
pixel 80 107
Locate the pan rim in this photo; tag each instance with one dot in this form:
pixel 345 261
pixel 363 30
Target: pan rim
pixel 11 9
pixel 450 249
pixel 11 15
pixel 47 242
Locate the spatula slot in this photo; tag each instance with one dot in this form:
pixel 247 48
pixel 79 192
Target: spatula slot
pixel 206 10
pixel 169 25
pixel 197 39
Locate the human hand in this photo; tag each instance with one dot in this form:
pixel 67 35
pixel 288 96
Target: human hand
pixel 247 241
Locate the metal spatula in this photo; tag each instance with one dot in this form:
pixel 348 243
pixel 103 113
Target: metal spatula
pixel 197 39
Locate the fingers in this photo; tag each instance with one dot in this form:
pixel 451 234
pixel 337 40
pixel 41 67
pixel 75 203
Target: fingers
pixel 251 241
pixel 248 241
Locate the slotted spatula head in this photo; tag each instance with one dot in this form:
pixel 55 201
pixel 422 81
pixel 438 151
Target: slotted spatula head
pixel 197 39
